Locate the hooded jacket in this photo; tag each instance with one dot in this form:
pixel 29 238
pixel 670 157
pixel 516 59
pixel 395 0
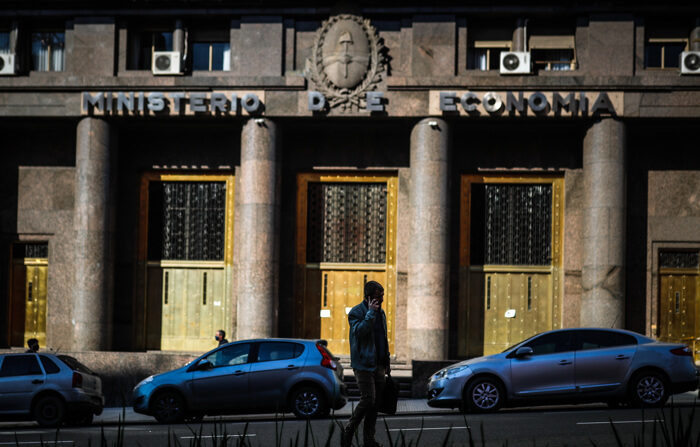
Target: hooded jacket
pixel 363 354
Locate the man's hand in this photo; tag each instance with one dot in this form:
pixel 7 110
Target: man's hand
pixel 374 305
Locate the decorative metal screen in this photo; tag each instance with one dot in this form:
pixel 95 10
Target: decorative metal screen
pixel 346 222
pixel 678 259
pixel 31 250
pixel 518 224
pixel 194 217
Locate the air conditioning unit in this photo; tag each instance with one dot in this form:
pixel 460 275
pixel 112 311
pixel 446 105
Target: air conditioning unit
pixel 7 64
pixel 166 63
pixel 515 62
pixel 690 62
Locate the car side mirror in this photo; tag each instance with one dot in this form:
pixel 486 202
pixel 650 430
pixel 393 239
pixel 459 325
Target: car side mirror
pixel 204 365
pixel 523 351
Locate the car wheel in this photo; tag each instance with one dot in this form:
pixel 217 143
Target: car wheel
pixel 49 411
pixel 80 419
pixel 168 407
pixel 649 389
pixel 484 395
pixel 308 402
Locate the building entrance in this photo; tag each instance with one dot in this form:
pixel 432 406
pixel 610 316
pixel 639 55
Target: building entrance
pixel 510 263
pixel 187 242
pixel 346 236
pixel 30 265
pixel 679 279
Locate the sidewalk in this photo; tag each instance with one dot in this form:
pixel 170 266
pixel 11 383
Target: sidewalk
pixel 404 407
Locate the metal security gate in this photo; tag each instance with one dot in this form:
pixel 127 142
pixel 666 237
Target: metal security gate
pixel 30 265
pixel 189 253
pixel 679 272
pixel 510 264
pixel 346 237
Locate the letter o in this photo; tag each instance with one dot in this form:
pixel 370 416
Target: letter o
pixel 537 102
pixel 250 102
pixel 492 102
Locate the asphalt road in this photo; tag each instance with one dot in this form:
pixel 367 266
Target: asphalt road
pixel 552 426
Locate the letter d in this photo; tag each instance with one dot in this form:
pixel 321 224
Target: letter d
pixel 317 101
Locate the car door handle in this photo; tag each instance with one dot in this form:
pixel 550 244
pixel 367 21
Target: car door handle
pixel 37 381
pixel 622 357
pixel 291 367
pixel 239 373
pixel 565 362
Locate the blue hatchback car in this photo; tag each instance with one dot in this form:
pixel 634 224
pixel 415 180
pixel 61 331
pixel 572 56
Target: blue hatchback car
pixel 247 376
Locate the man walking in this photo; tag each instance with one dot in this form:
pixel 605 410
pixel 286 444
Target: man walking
pixel 369 359
pixel 220 336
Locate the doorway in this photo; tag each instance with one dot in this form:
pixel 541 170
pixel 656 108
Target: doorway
pixel 29 292
pixel 679 291
pixel 510 260
pixel 186 251
pixel 346 236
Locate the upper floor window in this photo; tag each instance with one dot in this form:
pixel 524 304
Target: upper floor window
pixel 552 48
pixel 143 43
pixel 211 51
pixel 485 45
pixel 663 47
pixel 48 50
pixel 4 41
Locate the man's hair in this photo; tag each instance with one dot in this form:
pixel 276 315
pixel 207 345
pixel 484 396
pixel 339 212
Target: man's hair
pixel 223 333
pixel 371 288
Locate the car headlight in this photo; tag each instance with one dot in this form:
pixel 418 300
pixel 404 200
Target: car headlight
pixel 144 381
pixel 449 373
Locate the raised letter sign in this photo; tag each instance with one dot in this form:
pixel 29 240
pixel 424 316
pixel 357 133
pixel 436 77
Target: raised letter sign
pixel 250 102
pixel 317 101
pixel 156 102
pixel 602 104
pixel 469 101
pixel 97 101
pixel 448 101
pixel 538 102
pixel 197 102
pixel 374 101
pixel 492 102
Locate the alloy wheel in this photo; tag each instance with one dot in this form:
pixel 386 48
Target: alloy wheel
pixel 485 395
pixel 168 408
pixel 650 389
pixel 307 403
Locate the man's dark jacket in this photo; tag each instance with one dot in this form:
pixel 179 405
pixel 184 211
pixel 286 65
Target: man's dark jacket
pixel 363 353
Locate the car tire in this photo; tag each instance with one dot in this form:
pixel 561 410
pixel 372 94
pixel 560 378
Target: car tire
pixel 49 411
pixel 308 402
pixel 484 395
pixel 168 407
pixel 649 389
pixel 80 419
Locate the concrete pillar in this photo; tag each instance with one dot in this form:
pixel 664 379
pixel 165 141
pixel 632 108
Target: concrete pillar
pixel 519 36
pixel 428 269
pixel 695 36
pixel 604 225
pixel 258 221
pixel 93 223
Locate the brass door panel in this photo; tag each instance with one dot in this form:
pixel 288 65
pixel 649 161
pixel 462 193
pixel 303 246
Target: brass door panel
pixel 510 277
pixel 35 300
pixel 341 290
pixel 516 306
pixel 193 308
pixel 324 290
pixel 678 308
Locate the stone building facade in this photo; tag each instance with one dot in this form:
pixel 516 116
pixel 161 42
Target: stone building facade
pixel 172 168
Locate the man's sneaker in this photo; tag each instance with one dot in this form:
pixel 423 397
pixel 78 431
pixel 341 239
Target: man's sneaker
pixel 372 443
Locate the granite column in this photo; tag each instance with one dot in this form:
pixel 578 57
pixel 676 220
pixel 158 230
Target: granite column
pixel 604 231
pixel 93 225
pixel 258 220
pixel 428 269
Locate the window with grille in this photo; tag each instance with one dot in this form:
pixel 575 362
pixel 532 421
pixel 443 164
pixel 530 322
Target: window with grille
pixel 511 224
pixel 346 222
pixel 187 221
pixel 678 259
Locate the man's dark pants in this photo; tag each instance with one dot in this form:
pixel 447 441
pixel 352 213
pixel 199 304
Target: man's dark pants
pixel 371 385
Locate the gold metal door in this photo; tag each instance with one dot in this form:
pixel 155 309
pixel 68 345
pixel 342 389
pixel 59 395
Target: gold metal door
pixel 188 245
pixel 326 287
pixel 29 293
pixel 679 295
pixel 510 262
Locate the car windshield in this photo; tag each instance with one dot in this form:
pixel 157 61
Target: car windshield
pixel 75 365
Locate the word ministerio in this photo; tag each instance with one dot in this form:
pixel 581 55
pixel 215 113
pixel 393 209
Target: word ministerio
pixel 175 102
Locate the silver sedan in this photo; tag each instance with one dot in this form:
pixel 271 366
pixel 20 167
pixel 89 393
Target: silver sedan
pixel 568 365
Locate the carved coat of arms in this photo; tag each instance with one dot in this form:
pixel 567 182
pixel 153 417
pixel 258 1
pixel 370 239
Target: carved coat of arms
pixel 347 60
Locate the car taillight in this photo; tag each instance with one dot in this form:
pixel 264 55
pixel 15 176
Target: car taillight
pixel 685 351
pixel 326 360
pixel 77 380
